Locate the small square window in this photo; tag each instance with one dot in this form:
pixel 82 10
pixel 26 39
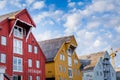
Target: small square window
pixel 3 40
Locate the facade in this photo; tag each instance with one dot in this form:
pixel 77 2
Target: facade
pixel 99 67
pixel 62 62
pixel 21 57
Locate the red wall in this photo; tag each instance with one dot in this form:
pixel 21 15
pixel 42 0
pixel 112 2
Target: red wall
pixel 8 49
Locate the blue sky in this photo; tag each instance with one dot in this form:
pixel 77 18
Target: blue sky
pixel 95 23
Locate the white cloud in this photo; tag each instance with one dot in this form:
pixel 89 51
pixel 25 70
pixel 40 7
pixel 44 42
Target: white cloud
pixel 72 22
pixel 117 29
pixel 38 5
pixel 29 2
pixel 92 25
pixel 71 4
pixel 97 43
pixel 2 4
pixel 47 35
pixel 80 3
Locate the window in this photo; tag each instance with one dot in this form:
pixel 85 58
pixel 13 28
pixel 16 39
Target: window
pixel 64 78
pixel 70 51
pixel 60 68
pixel 3 58
pixel 3 40
pixel 29 48
pixel 17 46
pixel 29 77
pixel 75 61
pixel 35 49
pixel 62 57
pixel 38 64
pixel 37 77
pixel 18 32
pixel 64 69
pixel 69 61
pixel 17 64
pixel 29 62
pixel 70 72
pixel 60 78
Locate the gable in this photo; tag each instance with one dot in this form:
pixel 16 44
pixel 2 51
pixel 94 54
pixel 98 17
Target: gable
pixel 24 16
pixel 32 40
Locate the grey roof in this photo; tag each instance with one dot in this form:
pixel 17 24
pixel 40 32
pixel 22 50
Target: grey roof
pixel 3 17
pixel 51 47
pixel 94 58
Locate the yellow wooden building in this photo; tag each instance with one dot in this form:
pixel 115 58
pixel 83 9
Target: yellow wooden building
pixel 62 62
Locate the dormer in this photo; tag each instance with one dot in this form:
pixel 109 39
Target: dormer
pixel 70 50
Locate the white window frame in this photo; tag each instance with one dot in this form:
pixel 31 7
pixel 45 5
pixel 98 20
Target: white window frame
pixel 17 46
pixel 3 40
pixel 35 49
pixel 69 61
pixel 37 64
pixel 29 48
pixel 62 57
pixel 17 64
pixel 29 62
pixel 3 58
pixel 17 33
pixel 29 77
pixel 37 77
pixel 70 75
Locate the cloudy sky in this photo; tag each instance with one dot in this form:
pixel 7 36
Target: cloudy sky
pixel 95 23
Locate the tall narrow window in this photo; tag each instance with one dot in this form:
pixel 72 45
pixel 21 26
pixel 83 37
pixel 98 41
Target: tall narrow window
pixel 70 72
pixel 17 64
pixel 29 62
pixel 37 63
pixel 29 77
pixel 29 48
pixel 3 58
pixel 3 40
pixel 35 49
pixel 18 32
pixel 17 46
pixel 37 77
pixel 69 61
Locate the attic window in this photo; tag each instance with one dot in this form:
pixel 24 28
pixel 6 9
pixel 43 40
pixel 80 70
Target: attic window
pixel 18 32
pixel 70 50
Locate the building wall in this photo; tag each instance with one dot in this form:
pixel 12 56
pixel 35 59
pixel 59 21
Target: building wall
pixel 88 75
pixel 8 50
pixel 50 70
pixel 76 73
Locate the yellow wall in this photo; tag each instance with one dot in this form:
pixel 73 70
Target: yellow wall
pixel 50 70
pixel 54 66
pixel 58 74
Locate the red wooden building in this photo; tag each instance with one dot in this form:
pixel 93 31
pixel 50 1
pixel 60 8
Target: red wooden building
pixel 21 58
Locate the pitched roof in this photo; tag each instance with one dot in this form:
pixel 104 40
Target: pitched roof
pixel 3 17
pixel 94 57
pixel 51 47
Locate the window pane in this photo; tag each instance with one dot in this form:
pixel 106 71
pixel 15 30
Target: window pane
pixel 18 32
pixel 29 48
pixel 69 61
pixel 38 64
pixel 17 64
pixel 3 58
pixel 17 46
pixel 3 40
pixel 29 62
pixel 35 49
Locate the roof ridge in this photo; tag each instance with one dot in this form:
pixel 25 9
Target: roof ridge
pixel 55 38
pixel 11 12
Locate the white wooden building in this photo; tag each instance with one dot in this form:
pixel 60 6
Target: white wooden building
pixel 99 68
